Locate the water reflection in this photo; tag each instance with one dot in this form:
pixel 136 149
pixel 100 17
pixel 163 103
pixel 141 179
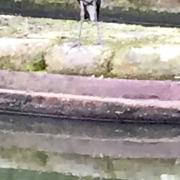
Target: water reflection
pixel 53 165
pixel 12 174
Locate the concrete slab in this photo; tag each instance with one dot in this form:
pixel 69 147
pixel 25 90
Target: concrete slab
pixel 90 98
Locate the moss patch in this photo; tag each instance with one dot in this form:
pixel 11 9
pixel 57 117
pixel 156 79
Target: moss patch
pixel 42 157
pixel 37 64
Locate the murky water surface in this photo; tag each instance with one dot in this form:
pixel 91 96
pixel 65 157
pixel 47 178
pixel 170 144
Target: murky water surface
pixel 12 174
pixel 39 165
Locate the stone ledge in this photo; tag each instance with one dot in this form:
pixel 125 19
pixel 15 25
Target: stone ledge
pixel 143 102
pixel 129 51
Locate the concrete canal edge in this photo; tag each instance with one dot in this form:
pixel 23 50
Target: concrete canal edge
pixel 89 98
pixel 54 122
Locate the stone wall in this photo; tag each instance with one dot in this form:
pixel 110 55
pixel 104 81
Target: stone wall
pixel 128 51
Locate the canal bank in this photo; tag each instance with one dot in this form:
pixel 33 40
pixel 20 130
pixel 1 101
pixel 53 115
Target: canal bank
pixel 86 125
pixel 89 98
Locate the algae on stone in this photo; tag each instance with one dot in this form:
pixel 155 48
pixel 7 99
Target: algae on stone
pixel 23 54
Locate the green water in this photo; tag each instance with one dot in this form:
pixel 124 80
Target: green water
pixel 12 174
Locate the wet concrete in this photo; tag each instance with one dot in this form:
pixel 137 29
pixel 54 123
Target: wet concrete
pixel 69 97
pixel 90 138
pixel 91 129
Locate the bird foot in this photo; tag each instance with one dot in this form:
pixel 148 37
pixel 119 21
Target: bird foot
pixel 76 44
pixel 99 43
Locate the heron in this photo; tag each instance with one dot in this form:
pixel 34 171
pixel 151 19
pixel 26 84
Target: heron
pixel 89 9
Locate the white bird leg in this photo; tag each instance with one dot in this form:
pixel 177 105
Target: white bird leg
pixel 99 39
pixel 26 25
pixel 82 13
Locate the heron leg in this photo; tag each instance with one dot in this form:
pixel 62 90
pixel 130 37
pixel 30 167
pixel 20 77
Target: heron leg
pixel 99 39
pixel 82 13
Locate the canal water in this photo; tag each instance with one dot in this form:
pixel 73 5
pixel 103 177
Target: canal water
pixel 12 174
pixel 142 173
pixel 23 163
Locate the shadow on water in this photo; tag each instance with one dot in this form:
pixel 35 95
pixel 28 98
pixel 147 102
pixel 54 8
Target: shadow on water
pixel 93 129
